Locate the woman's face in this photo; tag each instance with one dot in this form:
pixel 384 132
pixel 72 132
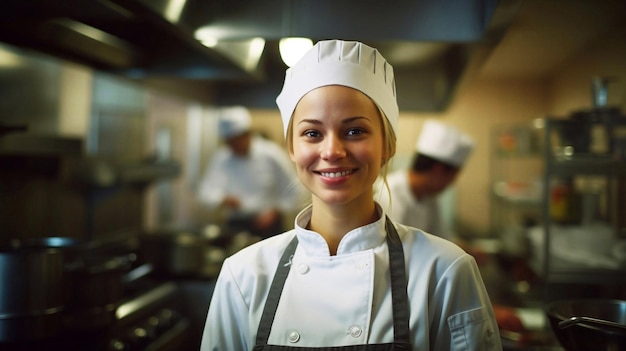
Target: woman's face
pixel 337 144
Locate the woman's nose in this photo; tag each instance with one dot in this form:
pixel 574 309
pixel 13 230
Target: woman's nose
pixel 332 148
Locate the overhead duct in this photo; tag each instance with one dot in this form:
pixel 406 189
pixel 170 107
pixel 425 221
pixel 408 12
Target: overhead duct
pixel 118 36
pixel 429 43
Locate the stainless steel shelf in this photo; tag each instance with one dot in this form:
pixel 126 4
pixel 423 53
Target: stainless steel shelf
pixel 586 276
pixel 96 172
pixel 587 165
pixel 568 272
pixel 40 145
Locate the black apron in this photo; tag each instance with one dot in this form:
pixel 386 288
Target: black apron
pixel 399 298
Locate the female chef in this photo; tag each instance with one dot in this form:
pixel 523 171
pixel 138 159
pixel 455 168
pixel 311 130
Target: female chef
pixel 346 277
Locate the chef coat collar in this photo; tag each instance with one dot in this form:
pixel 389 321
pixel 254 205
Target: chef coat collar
pixel 358 239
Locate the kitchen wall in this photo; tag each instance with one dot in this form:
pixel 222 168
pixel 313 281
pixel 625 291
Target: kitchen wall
pixel 192 137
pixel 571 90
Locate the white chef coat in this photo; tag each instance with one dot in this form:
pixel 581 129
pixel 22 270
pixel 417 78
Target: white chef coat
pixel 406 209
pixel 346 299
pixel 263 179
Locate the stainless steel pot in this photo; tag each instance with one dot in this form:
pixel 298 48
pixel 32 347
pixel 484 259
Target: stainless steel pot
pixel 32 288
pixel 182 253
pixel 589 324
pixel 94 292
pixel 53 284
pixel 177 253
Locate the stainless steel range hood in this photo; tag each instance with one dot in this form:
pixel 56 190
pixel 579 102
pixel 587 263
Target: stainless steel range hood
pixel 124 37
pixel 430 43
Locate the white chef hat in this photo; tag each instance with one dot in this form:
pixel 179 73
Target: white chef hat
pixel 337 62
pixel 444 143
pixel 234 120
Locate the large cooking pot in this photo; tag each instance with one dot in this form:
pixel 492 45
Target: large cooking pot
pixel 53 284
pixel 94 291
pixel 589 324
pixel 184 253
pixel 32 288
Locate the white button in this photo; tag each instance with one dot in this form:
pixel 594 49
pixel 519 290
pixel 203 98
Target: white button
pixel 355 331
pixel 303 268
pixel 294 336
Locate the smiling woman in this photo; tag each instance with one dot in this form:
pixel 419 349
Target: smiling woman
pixel 386 286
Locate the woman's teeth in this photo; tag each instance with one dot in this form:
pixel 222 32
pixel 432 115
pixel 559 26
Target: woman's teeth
pixel 335 174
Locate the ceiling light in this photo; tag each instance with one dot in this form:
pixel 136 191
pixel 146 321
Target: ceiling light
pixel 174 9
pixel 8 59
pixel 209 42
pixel 292 49
pixel 245 52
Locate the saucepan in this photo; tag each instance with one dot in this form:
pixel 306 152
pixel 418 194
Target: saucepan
pixel 589 324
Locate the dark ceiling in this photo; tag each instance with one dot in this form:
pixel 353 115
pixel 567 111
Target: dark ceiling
pixel 430 43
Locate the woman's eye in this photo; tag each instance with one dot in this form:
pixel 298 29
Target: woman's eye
pixel 355 131
pixel 311 133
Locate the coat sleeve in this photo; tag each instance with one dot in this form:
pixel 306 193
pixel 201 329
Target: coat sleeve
pixel 227 324
pixel 213 182
pixel 465 318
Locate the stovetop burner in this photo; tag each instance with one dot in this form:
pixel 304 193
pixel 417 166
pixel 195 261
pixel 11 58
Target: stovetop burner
pixel 154 319
pixel 150 316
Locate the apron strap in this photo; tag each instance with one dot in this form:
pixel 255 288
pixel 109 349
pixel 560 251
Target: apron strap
pixel 276 289
pixel 399 295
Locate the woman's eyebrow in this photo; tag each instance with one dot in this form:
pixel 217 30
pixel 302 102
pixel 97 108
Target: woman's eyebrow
pixel 310 121
pixel 355 118
pixel 345 121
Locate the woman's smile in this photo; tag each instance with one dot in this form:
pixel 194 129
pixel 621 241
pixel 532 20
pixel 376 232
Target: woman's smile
pixel 336 177
pixel 335 174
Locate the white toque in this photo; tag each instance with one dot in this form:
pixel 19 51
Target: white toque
pixel 444 143
pixel 233 121
pixel 337 62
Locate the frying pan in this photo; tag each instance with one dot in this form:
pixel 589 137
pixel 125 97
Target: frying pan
pixel 589 324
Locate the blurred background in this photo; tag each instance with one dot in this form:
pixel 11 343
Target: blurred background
pixel 108 119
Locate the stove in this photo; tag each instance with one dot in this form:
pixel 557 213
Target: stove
pixel 155 319
pixel 152 315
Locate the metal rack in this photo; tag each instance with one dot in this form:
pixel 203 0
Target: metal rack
pixel 601 211
pixel 516 174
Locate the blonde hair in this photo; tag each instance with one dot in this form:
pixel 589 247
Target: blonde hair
pixel 389 149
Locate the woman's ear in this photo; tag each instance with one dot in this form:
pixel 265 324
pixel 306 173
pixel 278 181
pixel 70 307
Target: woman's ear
pixel 291 156
pixel 388 156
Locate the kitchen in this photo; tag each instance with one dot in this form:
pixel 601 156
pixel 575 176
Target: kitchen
pixel 534 59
